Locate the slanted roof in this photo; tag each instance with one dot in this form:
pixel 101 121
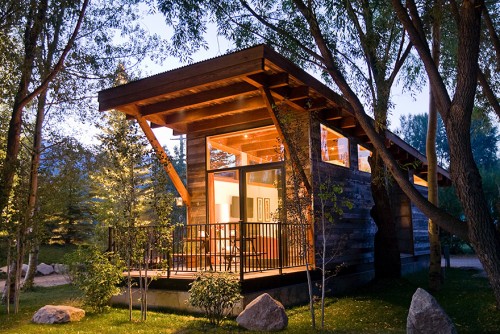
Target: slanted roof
pixel 226 92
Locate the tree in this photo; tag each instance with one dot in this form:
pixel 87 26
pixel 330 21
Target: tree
pixel 456 113
pixel 304 30
pixel 58 33
pixel 120 188
pixel 435 276
pixel 65 210
pixel 484 142
pixel 34 22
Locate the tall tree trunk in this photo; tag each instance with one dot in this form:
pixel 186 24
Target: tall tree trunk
pixel 467 180
pixel 464 172
pixel 435 276
pixel 33 193
pixel 387 259
pixel 35 21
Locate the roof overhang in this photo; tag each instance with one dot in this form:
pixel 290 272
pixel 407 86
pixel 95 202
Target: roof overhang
pixel 225 92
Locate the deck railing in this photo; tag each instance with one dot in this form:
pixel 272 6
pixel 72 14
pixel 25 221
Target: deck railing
pixel 240 247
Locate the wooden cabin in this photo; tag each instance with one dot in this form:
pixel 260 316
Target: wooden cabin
pixel 262 136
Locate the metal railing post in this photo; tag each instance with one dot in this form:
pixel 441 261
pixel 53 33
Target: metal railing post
pixel 242 245
pixel 280 248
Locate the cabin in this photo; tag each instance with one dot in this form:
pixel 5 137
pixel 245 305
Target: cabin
pixel 263 138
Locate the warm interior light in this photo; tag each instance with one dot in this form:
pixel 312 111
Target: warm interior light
pixel 179 201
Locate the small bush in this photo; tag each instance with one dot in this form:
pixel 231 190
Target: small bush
pixel 96 274
pixel 215 293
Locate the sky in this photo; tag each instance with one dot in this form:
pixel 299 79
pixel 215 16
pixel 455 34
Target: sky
pixel 404 103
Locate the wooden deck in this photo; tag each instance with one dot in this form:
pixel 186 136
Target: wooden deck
pixel 252 281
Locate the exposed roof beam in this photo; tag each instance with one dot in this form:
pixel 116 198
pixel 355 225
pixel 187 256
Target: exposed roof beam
pixel 271 81
pixel 187 101
pixel 259 117
pixel 217 110
pixel 292 93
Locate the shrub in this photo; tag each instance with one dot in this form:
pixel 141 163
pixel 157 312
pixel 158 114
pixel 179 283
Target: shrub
pixel 215 293
pixel 97 274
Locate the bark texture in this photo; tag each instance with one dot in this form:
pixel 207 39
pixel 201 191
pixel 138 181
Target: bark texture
pixel 435 276
pixel 456 114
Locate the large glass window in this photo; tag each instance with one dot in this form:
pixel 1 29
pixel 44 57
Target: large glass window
pixel 334 147
pixel 244 148
pixel 363 164
pixel 419 181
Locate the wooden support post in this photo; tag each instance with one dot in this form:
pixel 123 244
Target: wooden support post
pixel 164 160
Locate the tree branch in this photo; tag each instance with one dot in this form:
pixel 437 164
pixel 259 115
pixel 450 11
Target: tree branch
pixel 444 219
pixel 45 83
pixel 488 92
pixel 493 35
pixel 439 89
pixel 280 31
pixel 400 61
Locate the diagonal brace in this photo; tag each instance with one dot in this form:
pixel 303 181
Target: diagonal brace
pixel 164 160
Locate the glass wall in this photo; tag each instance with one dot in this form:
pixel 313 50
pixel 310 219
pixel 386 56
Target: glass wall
pixel 363 164
pixel 334 147
pixel 244 148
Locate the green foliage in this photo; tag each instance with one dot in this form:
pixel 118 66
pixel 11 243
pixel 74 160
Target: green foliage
pixel 96 274
pixel 215 293
pixel 484 138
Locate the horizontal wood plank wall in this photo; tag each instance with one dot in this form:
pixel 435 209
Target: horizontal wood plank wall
pixel 420 228
pixel 196 183
pixel 351 238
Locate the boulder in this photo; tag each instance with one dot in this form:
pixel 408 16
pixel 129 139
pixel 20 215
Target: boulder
pixel 24 269
pixel 57 314
pixel 44 269
pixel 427 316
pixel 263 314
pixel 60 268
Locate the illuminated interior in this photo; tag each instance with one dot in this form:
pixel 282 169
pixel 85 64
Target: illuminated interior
pixel 244 148
pixel 240 154
pixel 419 181
pixel 363 164
pixel 334 147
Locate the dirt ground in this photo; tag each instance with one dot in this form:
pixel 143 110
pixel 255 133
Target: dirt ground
pixel 45 281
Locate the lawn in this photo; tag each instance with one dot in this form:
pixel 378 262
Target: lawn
pixel 376 308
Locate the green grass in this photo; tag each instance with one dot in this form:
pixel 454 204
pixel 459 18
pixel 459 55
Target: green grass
pixel 48 253
pixel 377 308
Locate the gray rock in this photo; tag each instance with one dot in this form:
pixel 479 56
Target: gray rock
pixel 24 269
pixel 263 314
pixel 60 268
pixel 45 269
pixel 57 314
pixel 427 316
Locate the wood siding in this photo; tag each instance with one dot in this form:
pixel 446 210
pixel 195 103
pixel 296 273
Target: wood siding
pixel 196 179
pixel 349 239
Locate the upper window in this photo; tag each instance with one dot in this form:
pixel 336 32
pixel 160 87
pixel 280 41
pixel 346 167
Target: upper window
pixel 334 147
pixel 243 148
pixel 363 164
pixel 419 181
